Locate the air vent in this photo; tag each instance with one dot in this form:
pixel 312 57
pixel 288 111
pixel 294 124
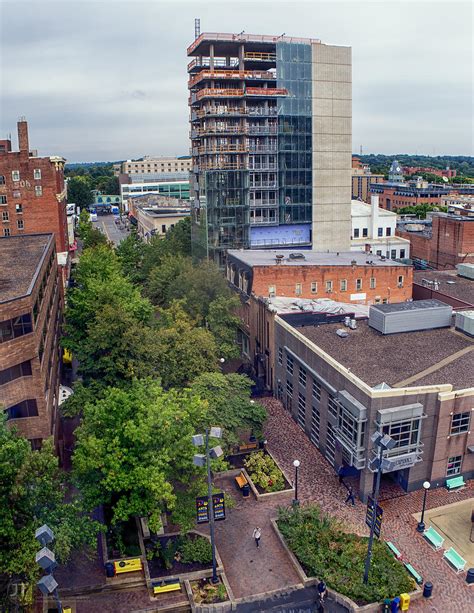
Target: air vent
pixel 279 258
pixel 296 256
pixel 342 333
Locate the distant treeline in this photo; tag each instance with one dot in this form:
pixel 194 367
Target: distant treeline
pixel 379 163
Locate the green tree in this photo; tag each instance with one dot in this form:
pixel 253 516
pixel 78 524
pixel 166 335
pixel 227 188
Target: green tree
pixel 32 491
pixel 90 236
pixel 162 278
pixel 223 323
pixel 79 191
pixel 130 252
pixel 178 238
pixel 132 445
pixel 229 405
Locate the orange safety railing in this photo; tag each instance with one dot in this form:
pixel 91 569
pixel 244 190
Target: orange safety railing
pixel 258 55
pixel 223 148
pixel 231 74
pixel 266 91
pixel 219 93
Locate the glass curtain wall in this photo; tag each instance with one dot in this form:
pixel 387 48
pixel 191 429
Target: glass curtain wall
pixel 295 132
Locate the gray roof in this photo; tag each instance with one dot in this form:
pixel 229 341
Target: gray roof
pixel 268 257
pixel 415 305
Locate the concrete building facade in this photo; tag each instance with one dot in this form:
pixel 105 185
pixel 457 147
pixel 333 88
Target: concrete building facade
pixel 154 165
pixel 271 143
pixel 30 318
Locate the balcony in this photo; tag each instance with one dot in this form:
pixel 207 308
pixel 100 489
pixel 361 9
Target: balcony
pixel 205 62
pixel 251 75
pixel 218 93
pixel 260 56
pixel 266 91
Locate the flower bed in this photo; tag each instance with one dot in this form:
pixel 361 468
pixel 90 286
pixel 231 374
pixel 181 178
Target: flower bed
pixel 325 551
pixel 176 554
pixel 264 473
pixel 206 592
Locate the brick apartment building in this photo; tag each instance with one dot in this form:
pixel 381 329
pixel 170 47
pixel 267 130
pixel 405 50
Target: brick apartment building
pixel 416 170
pixel 30 317
pixel 33 193
pixel 446 242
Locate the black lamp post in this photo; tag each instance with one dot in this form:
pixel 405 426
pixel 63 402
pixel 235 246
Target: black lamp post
pixel 421 524
pixel 296 464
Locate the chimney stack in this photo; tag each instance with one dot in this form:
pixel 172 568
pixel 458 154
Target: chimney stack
pixel 23 144
pixel 374 217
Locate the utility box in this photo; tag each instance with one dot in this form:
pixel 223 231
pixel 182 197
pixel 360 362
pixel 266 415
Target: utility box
pixel 410 316
pixel 404 602
pixel 465 322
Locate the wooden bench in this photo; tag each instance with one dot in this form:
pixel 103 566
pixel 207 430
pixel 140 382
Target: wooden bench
pixel 413 573
pixel 247 447
pixel 393 549
pixel 453 484
pixel 241 480
pixel 167 585
pixel 455 559
pixel 128 566
pixel 434 538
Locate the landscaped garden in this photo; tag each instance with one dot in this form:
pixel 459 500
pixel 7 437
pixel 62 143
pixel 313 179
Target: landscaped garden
pixel 122 539
pixel 327 552
pixel 264 473
pixel 177 554
pixel 206 592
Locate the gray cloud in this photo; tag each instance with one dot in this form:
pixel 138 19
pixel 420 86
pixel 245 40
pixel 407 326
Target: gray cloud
pixel 107 80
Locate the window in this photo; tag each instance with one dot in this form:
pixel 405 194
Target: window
pixel 314 287
pixel 365 232
pixel 289 364
pixel 20 224
pixel 333 406
pixel 315 426
pixel 15 175
pixel 298 289
pixel 271 290
pixel 373 283
pixel 26 408
pixel 329 286
pixel 14 328
pixel 356 232
pixel 400 281
pixel 163 229
pixel 15 372
pixel 2 180
pixel 388 231
pixel 19 208
pixel 316 391
pixel 37 173
pixel 393 254
pixel 301 410
pixel 38 190
pixel 402 253
pixel 454 465
pixel 358 283
pixel 5 216
pixel 280 356
pixel 405 433
pixel 343 285
pixel 6 231
pixel 379 231
pixel 3 199
pixel 330 444
pixel 289 389
pixel 302 376
pixel 379 252
pixel 460 423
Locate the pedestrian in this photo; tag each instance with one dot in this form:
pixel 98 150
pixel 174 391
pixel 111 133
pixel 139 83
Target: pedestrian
pixel 322 589
pixel 350 496
pixel 257 533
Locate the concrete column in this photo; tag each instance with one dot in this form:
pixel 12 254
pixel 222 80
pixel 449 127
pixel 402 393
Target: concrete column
pixel 366 484
pixel 241 57
pixel 211 56
pixel 374 216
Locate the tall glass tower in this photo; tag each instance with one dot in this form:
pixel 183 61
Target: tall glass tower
pixel 271 143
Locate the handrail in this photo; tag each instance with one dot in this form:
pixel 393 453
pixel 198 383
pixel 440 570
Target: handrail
pixel 230 74
pixel 266 91
pixel 250 38
pixel 224 93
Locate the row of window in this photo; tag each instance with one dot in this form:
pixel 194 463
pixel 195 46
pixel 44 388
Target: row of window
pixel 16 175
pixel 26 408
pixel 365 232
pixel 42 288
pixel 329 285
pixel 38 192
pixel 6 218
pixel 15 372
pixel 16 327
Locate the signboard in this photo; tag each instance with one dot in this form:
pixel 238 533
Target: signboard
pixel 370 514
pixel 202 508
pixel 405 461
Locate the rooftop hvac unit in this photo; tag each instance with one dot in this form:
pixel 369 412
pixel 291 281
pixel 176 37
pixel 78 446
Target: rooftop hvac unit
pixel 410 316
pixel 347 321
pixel 466 270
pixel 465 322
pixel 342 333
pixel 352 324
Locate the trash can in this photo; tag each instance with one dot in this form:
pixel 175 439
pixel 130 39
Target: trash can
pixel 109 569
pixel 386 606
pixel 427 589
pixel 395 604
pixel 404 602
pixel 246 490
pixel 470 575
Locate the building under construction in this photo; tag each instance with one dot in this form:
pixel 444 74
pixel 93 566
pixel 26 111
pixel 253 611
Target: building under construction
pixel 271 143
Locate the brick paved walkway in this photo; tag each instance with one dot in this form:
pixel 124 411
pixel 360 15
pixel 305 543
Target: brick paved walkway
pixel 317 482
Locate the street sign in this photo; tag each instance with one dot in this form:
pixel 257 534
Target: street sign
pixel 370 514
pixel 202 508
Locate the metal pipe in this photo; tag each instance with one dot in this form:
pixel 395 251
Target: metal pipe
pixel 214 578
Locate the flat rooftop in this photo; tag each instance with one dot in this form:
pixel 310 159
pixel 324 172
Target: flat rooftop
pixel 450 283
pixel 21 258
pixel 406 359
pixel 267 257
pixel 228 42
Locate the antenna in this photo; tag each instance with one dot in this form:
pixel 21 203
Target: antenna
pixel 360 150
pixel 197 28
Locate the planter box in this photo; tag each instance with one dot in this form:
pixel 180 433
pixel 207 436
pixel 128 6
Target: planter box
pixel 218 607
pixel 286 494
pixel 345 601
pixel 131 579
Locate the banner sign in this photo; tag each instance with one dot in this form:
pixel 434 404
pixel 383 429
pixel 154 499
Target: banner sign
pixel 202 508
pixel 219 506
pixel 370 514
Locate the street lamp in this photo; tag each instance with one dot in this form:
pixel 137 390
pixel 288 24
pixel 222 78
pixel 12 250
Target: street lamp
pixel 47 585
pixel 421 524
pixel 296 464
pixel 205 460
pixel 384 442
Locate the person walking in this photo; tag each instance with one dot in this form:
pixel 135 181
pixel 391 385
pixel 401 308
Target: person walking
pixel 257 533
pixel 322 593
pixel 350 496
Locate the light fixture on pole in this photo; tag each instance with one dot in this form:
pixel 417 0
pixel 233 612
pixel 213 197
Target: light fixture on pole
pixel 296 464
pixel 384 443
pixel 202 460
pixel 45 558
pixel 421 524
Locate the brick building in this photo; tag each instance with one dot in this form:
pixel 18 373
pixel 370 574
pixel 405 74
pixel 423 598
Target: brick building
pixel 30 317
pixel 393 196
pixel 362 179
pixel 446 242
pixel 416 170
pixel 33 193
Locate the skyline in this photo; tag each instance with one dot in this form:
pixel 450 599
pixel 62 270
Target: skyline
pixel 117 80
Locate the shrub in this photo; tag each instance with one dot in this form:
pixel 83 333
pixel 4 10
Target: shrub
pixel 264 472
pixel 196 549
pixel 326 552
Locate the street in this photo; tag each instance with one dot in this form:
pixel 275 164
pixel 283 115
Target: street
pixel 107 225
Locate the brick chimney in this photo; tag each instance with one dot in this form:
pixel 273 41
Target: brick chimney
pixel 23 144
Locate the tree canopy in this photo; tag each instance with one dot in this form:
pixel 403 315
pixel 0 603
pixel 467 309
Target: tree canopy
pixel 79 190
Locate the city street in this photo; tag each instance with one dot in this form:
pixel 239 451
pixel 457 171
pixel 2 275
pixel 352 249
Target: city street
pixel 107 225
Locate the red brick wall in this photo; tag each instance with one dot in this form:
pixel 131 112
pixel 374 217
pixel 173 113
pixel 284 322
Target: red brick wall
pixel 388 200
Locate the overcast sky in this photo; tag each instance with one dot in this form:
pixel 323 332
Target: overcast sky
pixel 107 80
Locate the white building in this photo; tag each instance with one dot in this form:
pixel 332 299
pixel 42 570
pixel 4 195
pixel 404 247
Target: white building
pixel 172 189
pixel 373 231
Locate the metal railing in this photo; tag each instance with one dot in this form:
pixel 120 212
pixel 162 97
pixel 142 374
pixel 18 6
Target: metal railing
pixel 232 74
pixel 219 93
pixel 231 148
pixel 266 91
pixel 249 38
pixel 263 202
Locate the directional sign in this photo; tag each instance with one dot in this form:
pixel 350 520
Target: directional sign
pixel 202 508
pixel 370 514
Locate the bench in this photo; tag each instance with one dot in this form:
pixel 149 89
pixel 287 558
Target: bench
pixel 453 484
pixel 247 447
pixel 393 549
pixel 167 585
pixel 414 574
pixel 128 566
pixel 241 480
pixel 455 559
pixel 434 538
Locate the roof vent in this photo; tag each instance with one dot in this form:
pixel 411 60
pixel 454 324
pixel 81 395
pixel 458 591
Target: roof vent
pixel 353 262
pixel 342 333
pixel 279 258
pixel 296 256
